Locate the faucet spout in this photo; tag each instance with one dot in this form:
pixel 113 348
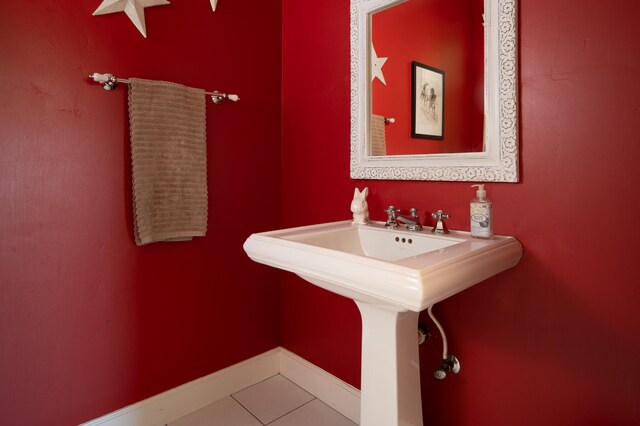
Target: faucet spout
pixel 412 221
pixel 412 225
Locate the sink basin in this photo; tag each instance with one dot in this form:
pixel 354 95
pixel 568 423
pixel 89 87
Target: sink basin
pixel 373 240
pixel 372 264
pixel 392 275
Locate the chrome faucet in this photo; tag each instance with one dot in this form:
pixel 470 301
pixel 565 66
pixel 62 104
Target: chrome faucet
pixel 412 221
pixel 441 227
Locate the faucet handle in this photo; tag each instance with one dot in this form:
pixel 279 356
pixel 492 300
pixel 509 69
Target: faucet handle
pixel 441 227
pixel 391 212
pixel 439 215
pixel 413 212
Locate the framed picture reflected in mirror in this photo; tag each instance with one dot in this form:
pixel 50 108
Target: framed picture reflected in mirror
pixel 427 109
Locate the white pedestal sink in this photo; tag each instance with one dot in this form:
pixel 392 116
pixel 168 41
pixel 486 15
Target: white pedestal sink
pixel 392 275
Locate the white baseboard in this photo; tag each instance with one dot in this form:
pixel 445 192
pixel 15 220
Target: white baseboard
pixel 189 397
pixel 337 394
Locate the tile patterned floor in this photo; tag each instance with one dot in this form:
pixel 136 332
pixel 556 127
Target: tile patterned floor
pixel 275 402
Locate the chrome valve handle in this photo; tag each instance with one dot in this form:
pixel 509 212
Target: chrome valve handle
pixel 391 212
pixel 441 227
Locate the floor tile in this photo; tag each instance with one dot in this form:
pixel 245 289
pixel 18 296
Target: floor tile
pixel 272 398
pixel 226 412
pixel 315 413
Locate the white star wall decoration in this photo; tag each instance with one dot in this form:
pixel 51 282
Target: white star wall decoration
pixel 133 8
pixel 376 66
pixel 213 4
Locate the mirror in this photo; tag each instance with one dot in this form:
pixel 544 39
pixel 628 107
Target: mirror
pixel 416 41
pixel 452 141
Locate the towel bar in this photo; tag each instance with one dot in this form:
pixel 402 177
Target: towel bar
pixel 110 82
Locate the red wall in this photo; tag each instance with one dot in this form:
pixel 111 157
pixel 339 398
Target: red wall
pixel 554 340
pixel 444 35
pixel 89 322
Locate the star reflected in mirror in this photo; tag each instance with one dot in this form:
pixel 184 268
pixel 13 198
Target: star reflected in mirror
pixel 376 66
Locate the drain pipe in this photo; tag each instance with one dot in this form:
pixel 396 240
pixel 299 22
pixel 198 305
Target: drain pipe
pixel 449 361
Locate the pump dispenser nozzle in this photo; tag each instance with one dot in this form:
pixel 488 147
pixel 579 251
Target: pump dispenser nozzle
pixel 480 193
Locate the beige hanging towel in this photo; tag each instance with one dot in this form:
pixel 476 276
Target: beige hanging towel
pixel 167 122
pixel 378 135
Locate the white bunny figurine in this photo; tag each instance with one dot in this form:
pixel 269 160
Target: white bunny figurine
pixel 359 207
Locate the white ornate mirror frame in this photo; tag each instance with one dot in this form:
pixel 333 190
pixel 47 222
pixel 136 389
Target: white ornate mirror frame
pixel 498 162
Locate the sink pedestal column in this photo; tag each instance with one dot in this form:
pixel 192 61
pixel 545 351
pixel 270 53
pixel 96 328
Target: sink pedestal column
pixel 390 385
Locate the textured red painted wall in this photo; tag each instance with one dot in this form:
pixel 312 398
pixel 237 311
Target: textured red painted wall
pixel 554 340
pixel 444 35
pixel 89 322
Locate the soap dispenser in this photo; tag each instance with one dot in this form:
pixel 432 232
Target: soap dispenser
pixel 481 215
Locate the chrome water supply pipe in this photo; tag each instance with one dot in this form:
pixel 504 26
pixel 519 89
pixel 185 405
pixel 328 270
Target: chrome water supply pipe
pixel 449 361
